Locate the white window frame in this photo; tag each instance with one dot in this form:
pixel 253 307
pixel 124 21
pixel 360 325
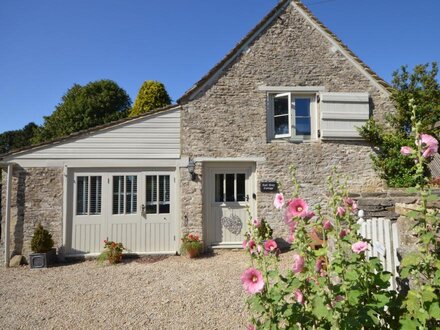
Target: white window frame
pixel 313 116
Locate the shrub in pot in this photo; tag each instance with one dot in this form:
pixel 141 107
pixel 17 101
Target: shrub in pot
pixel 42 245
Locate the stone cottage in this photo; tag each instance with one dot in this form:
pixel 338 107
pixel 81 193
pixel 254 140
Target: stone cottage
pixel 289 93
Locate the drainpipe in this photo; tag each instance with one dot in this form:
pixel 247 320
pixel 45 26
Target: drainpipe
pixel 8 213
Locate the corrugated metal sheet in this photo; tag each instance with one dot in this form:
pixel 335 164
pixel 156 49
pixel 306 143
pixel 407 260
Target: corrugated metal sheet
pixel 434 166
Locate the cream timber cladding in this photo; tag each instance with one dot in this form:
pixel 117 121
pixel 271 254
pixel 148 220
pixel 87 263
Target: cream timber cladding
pixel 225 115
pixel 126 156
pixel 154 137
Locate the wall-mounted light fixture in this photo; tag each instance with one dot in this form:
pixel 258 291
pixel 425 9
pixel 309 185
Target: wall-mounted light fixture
pixel 191 169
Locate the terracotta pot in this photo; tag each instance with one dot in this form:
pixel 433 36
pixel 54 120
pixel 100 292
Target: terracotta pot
pixel 193 253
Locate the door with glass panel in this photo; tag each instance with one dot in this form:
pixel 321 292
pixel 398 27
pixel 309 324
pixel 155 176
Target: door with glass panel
pixel 89 225
pixel 124 216
pixel 229 195
pixel 157 225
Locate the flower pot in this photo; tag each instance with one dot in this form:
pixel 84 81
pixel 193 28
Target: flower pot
pixel 43 260
pixel 193 253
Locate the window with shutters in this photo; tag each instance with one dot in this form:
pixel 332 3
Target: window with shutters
pixel 157 199
pixel 124 194
pixel 88 195
pixel 293 116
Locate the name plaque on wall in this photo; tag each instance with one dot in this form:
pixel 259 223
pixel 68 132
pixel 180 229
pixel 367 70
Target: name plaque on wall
pixel 269 186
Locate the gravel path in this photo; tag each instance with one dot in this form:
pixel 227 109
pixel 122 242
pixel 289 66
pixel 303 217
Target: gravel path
pixel 174 293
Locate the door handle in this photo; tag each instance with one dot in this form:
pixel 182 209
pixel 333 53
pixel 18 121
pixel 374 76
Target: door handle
pixel 143 210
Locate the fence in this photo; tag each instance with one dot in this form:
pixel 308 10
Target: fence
pixel 384 243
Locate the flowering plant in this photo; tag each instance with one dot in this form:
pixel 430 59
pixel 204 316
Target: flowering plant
pixel 191 244
pixel 330 283
pixel 112 252
pixel 421 268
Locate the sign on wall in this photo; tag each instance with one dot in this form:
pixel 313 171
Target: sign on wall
pixel 269 186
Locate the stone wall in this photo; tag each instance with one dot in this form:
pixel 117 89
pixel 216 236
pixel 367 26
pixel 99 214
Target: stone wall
pixel 37 197
pixel 228 118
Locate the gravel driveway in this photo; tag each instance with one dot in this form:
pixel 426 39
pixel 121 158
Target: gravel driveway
pixel 173 293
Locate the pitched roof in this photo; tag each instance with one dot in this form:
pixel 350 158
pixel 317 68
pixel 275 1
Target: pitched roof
pixel 219 68
pixel 90 131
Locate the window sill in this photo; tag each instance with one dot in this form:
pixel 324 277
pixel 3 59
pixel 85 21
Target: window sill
pixel 294 141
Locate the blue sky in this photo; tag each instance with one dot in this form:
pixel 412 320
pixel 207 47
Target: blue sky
pixel 47 46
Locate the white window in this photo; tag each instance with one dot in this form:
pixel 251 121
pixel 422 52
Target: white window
pixel 88 195
pixel 124 194
pixel 157 202
pixel 293 115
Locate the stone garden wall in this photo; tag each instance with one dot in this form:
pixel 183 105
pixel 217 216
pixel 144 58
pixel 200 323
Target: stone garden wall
pixel 37 197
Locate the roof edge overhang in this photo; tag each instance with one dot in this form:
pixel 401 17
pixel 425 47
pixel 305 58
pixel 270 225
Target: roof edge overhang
pixel 87 132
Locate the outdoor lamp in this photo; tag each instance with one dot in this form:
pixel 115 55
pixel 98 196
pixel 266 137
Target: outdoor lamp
pixel 191 167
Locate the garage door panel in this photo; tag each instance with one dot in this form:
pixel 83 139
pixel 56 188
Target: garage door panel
pixel 134 208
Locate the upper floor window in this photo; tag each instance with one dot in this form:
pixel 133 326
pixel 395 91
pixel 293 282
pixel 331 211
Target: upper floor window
pixel 293 116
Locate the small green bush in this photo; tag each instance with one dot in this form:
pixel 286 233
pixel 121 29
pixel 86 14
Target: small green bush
pixel 41 240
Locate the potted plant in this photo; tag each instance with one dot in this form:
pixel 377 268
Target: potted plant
pixel 191 245
pixel 42 245
pixel 112 252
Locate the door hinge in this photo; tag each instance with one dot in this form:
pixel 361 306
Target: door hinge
pixel 174 237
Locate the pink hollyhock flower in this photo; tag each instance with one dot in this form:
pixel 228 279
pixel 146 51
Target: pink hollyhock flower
pixel 343 233
pixel 252 280
pixel 318 265
pixel 298 263
pixel 259 248
pixel 244 244
pixel 406 151
pixel 340 211
pixel 429 145
pixel 327 225
pixel 308 215
pixel 292 226
pixel 359 247
pixel 299 297
pixel 251 327
pixel 298 207
pixel 256 223
pixel 270 245
pixel 278 201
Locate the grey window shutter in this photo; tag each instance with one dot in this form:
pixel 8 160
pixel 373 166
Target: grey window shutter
pixel 342 114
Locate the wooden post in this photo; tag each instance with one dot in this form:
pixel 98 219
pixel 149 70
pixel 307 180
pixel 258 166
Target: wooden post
pixel 8 214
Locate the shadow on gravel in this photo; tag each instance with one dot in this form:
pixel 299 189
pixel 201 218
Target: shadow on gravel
pixel 144 259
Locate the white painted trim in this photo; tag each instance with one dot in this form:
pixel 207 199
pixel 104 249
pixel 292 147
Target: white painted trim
pixel 8 214
pixel 299 89
pixel 339 48
pixel 94 163
pixel 259 160
pixel 95 255
pixel 65 203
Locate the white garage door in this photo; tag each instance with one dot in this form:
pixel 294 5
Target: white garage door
pixel 135 208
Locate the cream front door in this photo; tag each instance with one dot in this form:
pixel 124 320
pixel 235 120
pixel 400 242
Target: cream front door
pixel 230 200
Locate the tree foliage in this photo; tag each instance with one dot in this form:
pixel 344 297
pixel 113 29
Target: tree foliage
pixel 16 139
pixel 82 107
pixel 152 95
pixel 422 86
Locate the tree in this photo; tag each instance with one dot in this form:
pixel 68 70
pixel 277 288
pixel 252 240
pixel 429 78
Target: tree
pixel 422 86
pixel 11 140
pixel 82 107
pixel 152 95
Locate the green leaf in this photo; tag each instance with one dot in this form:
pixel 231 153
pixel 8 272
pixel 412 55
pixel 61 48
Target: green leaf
pixel 432 198
pixel 409 324
pixel 428 293
pixel 319 308
pixel 351 275
pixel 413 214
pixel 434 310
pixel 321 252
pixel 411 259
pixel 353 296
